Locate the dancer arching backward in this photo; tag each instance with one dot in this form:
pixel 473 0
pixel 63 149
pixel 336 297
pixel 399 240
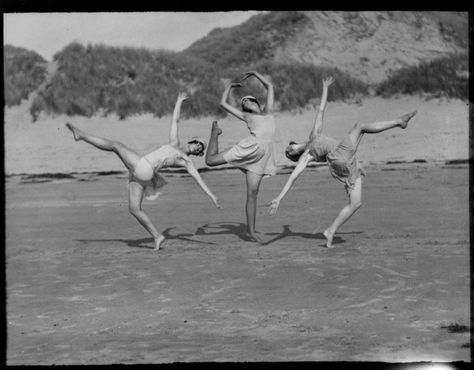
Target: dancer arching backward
pixel 144 179
pixel 341 158
pixel 255 154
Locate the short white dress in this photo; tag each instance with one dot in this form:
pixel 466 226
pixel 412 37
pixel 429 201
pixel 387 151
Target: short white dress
pixel 146 171
pixel 256 152
pixel 341 157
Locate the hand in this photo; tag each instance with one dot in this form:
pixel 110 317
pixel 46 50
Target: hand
pixel 183 96
pixel 273 206
pixel 328 81
pixel 247 75
pixel 217 203
pixel 226 81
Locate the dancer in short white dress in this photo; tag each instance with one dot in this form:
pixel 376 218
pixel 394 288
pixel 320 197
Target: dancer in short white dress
pixel 341 158
pixel 255 154
pixel 144 178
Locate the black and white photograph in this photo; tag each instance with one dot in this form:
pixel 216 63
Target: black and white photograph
pixel 237 186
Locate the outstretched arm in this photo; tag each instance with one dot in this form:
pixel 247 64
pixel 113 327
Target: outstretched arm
pixel 268 86
pixel 174 137
pixel 229 108
pixel 188 164
pixel 302 163
pixel 318 122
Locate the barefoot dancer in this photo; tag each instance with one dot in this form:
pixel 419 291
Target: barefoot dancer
pixel 341 157
pixel 254 155
pixel 144 179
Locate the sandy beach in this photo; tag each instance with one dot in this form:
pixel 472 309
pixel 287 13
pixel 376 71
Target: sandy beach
pixel 84 286
pixel 439 131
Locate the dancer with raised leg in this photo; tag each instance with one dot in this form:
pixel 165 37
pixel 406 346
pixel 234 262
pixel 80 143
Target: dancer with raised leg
pixel 144 179
pixel 341 158
pixel 255 154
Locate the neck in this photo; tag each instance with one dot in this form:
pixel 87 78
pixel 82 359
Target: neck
pixel 184 149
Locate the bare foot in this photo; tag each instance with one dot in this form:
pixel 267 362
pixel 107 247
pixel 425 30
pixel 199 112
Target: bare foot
pixel 329 237
pixel 215 128
pixel 254 236
pixel 75 131
pixel 405 118
pixel 158 242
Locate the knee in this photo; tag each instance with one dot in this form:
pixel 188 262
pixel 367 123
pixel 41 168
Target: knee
pixel 210 162
pixel 252 193
pixel 116 145
pixel 134 211
pixel 358 127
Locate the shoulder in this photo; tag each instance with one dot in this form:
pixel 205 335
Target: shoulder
pixel 179 154
pixel 172 148
pixel 246 116
pixel 259 117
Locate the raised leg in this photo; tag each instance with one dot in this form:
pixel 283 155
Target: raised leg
pixel 373 128
pixel 355 202
pixel 253 185
pixel 128 156
pixel 213 157
pixel 135 197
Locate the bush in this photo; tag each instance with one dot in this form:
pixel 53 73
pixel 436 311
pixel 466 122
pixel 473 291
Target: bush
pixel 447 76
pixel 126 81
pixel 297 84
pixel 23 73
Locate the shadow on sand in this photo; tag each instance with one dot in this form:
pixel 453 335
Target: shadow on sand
pixel 286 232
pixel 146 243
pixel 225 228
pixel 240 230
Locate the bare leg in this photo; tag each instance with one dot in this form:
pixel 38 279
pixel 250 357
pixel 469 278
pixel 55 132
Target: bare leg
pixel 213 157
pixel 253 184
pixel 355 202
pixel 135 197
pixel 129 157
pixel 373 128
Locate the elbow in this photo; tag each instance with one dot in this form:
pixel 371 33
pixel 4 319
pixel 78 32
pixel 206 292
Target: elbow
pixel 357 205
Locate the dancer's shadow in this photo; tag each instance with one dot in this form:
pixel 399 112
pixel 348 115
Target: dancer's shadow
pixel 287 232
pixel 141 243
pixel 224 228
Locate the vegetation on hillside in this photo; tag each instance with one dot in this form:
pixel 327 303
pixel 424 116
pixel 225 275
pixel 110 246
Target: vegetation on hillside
pixel 250 42
pixel 447 76
pixel 98 79
pixel 23 72
pixel 126 81
pixel 297 84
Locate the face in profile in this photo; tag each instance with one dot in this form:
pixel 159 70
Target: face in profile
pixel 196 148
pixel 250 105
pixel 294 151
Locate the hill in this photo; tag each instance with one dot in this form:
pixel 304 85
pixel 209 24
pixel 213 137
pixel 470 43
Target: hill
pixel 383 53
pixel 369 45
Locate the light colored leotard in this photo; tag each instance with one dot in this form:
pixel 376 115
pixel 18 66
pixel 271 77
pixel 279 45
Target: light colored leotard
pixel 256 152
pixel 146 170
pixel 341 158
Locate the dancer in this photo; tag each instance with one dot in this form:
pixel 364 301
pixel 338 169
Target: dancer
pixel 255 154
pixel 341 158
pixel 144 179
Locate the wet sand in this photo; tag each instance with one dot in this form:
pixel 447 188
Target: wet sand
pixel 84 286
